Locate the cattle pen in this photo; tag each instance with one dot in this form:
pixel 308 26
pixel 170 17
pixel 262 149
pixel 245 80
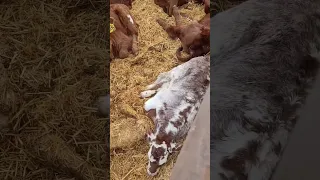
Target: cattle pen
pixel 128 78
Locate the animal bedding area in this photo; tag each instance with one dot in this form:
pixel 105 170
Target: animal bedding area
pixel 52 69
pixel 128 78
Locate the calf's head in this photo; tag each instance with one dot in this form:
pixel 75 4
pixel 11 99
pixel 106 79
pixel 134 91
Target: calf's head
pixel 158 153
pixel 194 39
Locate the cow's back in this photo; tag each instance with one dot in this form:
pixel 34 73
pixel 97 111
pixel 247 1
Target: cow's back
pixel 261 67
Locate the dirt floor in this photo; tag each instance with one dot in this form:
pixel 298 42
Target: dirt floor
pixel 53 66
pixel 128 77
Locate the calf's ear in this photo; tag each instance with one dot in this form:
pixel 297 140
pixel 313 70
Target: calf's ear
pixel 111 20
pixel 149 136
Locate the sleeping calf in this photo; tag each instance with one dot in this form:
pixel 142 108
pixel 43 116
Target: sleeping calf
pixel 125 2
pixel 178 94
pixel 124 40
pixel 263 61
pixel 195 37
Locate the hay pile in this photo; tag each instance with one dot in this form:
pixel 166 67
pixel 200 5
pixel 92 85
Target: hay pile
pixel 53 66
pixel 128 77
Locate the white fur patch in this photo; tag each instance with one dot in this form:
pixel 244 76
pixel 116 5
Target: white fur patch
pixel 163 159
pixel 151 136
pixel 130 18
pixel 171 129
pixel 172 146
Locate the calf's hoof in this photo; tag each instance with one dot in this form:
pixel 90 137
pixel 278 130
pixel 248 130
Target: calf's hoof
pixel 147 93
pixel 135 50
pixel 124 53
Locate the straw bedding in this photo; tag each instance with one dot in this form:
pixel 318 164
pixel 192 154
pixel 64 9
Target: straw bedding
pixel 52 69
pixel 128 77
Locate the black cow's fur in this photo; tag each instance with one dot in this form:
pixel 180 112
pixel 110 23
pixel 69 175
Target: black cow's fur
pixel 263 61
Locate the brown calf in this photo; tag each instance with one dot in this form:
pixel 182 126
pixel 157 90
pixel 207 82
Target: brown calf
pixel 125 2
pixel 124 40
pixel 195 37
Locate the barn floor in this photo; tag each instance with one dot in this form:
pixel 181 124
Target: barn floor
pixel 52 69
pixel 128 77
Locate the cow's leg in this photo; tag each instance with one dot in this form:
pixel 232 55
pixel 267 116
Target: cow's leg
pixel 111 51
pixel 163 24
pixel 168 28
pixel 124 53
pixel 177 16
pixel 153 88
pixel 147 93
pixel 135 45
pixel 162 78
pixel 173 3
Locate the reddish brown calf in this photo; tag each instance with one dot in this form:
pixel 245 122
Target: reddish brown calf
pixel 195 37
pixel 125 2
pixel 124 40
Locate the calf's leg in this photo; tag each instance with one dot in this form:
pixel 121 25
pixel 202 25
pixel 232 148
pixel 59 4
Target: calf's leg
pixel 111 50
pixel 135 45
pixel 153 88
pixel 147 93
pixel 123 53
pixel 172 31
pixel 177 16
pixel 173 3
pixel 162 78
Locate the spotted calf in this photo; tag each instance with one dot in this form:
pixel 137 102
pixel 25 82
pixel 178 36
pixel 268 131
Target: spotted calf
pixel 177 96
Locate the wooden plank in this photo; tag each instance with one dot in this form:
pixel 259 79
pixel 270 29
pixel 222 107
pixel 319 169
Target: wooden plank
pixel 193 162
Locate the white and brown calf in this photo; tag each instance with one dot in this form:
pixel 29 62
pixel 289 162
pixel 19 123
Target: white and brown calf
pixel 177 96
